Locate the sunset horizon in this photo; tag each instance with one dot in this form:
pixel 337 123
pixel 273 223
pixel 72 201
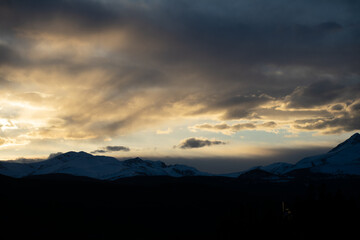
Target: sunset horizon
pixel 179 119
pixel 219 85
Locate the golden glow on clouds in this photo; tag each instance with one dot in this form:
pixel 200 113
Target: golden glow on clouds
pixel 129 76
pixel 167 131
pixel 7 124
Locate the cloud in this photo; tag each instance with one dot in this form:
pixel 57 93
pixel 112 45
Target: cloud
pixel 117 148
pixel 96 69
pixel 316 94
pixel 241 106
pixel 230 129
pixel 330 26
pixel 82 14
pixel 52 155
pixel 12 141
pixel 342 121
pixel 333 105
pixel 337 107
pixel 198 143
pixel 167 131
pixel 8 56
pixel 232 106
pixel 112 149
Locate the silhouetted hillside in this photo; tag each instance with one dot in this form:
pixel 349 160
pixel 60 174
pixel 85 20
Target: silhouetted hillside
pixel 177 208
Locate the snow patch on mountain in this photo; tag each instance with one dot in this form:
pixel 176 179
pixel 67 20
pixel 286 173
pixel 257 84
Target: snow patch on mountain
pixel 99 167
pixel 343 159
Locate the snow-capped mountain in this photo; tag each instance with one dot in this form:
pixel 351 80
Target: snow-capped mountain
pixel 343 159
pixel 99 167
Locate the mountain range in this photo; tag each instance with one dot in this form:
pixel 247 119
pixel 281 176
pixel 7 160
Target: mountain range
pixel 344 159
pixel 98 167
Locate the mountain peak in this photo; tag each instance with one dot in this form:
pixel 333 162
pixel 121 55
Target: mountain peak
pixel 77 154
pixel 133 161
pixel 354 139
pixel 70 156
pixel 137 159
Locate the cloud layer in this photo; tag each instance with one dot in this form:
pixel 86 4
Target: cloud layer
pixel 198 143
pixel 112 149
pixel 81 70
pixel 230 129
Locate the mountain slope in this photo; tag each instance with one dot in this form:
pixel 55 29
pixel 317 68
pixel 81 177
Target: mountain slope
pixel 99 167
pixel 343 159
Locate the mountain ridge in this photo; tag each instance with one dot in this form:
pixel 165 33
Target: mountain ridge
pixel 344 159
pixel 98 167
pixel 354 139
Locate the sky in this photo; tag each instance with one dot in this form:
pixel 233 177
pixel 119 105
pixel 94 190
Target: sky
pixel 216 84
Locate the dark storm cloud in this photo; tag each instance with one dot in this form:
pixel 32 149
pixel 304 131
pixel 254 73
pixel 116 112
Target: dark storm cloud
pixel 331 126
pixel 243 107
pixel 226 32
pixel 112 149
pixel 337 107
pixel 341 100
pixel 346 120
pixel 232 35
pixel 210 54
pixel 41 14
pixel 117 148
pixel 198 143
pixel 330 27
pixel 235 106
pixel 316 94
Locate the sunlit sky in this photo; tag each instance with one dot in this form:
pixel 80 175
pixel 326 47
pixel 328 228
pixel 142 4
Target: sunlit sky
pixel 219 85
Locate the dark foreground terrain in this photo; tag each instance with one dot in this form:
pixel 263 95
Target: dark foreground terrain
pixel 67 207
